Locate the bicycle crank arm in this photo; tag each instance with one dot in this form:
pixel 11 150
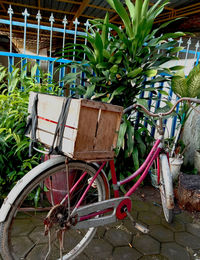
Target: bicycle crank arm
pixel 86 216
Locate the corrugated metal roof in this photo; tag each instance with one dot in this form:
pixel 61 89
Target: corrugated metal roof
pixel 86 9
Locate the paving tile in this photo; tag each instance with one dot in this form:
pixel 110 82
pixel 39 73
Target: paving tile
pixel 175 226
pixel 184 216
pixel 154 257
pixel 139 205
pixel 20 245
pixel 146 245
pixel 99 249
pixel 193 228
pixel 82 257
pixel 100 232
pixel 118 237
pixel 161 233
pixel 125 253
pixel 155 208
pixel 41 251
pixel 149 218
pixel 37 235
pixel 174 251
pixel 188 240
pixel 22 227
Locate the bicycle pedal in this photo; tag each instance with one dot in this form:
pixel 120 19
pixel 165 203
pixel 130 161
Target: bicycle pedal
pixel 138 226
pixel 141 228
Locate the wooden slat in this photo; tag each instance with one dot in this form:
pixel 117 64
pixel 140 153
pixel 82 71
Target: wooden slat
pixel 86 129
pixel 101 105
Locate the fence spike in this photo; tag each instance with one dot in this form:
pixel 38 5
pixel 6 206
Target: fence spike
pixel 180 41
pixel 38 17
pixel 10 12
pixel 196 49
pixel 87 25
pixel 65 22
pixel 187 51
pixel 51 20
pixel 26 15
pixel 76 23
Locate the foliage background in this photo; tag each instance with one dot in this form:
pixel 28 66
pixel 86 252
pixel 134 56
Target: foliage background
pixel 14 95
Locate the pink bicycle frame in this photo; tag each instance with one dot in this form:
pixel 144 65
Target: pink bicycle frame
pixel 144 169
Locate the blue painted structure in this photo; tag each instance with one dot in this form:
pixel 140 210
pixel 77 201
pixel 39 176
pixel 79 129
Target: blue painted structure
pixel 51 61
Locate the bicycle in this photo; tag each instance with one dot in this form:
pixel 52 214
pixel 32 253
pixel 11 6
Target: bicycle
pixel 82 202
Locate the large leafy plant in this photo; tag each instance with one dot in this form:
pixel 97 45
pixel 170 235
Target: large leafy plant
pixel 14 95
pixel 120 63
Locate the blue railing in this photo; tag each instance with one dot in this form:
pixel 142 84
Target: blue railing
pixel 189 56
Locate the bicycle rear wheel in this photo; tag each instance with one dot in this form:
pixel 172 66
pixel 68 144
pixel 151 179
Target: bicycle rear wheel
pixel 166 188
pixel 22 234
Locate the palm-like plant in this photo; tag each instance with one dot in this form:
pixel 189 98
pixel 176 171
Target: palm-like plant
pixel 117 63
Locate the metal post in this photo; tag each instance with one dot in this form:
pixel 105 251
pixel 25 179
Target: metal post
pixel 10 12
pixel 197 47
pixel 62 69
pixel 25 14
pixel 76 23
pixel 187 51
pixel 51 20
pixel 10 58
pixel 87 24
pixel 38 17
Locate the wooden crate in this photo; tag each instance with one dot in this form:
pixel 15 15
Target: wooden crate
pixel 91 127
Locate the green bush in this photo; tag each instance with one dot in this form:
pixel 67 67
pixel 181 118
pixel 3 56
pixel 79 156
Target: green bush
pixel 14 95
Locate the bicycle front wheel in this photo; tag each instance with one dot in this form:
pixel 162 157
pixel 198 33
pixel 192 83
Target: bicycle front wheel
pixel 22 234
pixel 166 188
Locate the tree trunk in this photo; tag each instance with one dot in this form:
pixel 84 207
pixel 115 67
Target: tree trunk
pixel 188 192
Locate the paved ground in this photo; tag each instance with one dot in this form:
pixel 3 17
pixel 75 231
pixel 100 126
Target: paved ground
pixel 179 240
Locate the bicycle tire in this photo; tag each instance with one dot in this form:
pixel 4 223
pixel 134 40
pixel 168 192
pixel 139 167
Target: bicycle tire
pixel 21 234
pixel 166 188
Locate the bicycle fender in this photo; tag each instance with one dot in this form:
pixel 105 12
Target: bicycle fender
pixel 30 176
pixel 168 183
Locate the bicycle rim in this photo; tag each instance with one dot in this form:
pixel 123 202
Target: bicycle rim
pixel 22 234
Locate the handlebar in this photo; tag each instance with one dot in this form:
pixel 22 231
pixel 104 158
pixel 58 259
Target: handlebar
pixel 191 100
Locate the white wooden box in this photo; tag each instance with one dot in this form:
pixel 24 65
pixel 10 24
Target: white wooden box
pixel 91 127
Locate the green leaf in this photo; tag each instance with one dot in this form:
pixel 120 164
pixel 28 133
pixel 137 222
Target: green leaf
pixel 145 8
pixel 118 6
pixel 90 91
pixel 151 73
pixel 142 102
pixel 33 70
pixel 131 8
pixel 120 141
pixel 135 156
pixel 175 50
pixel 37 196
pixel 105 30
pixel 114 69
pixel 116 92
pixel 172 35
pixel 178 67
pixel 134 73
pixel 140 143
pixel 179 86
pixel 130 139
